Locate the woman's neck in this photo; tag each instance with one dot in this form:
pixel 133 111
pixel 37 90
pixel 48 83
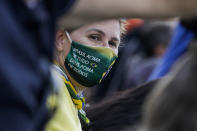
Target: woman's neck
pixel 78 87
pixel 59 60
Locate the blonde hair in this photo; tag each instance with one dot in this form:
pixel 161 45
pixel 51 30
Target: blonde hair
pixel 123 30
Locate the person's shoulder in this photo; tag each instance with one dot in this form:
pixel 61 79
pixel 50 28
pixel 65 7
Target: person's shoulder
pixel 56 78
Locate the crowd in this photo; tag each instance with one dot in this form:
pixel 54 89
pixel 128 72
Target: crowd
pixel 89 65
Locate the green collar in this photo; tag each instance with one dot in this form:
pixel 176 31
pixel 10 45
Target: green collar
pixel 79 101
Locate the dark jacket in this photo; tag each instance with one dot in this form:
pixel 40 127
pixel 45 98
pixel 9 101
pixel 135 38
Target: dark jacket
pixel 26 44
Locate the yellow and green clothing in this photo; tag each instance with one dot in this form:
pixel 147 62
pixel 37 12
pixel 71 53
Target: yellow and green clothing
pixel 66 115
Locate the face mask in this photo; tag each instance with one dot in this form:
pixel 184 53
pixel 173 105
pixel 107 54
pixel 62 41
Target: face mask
pixel 89 65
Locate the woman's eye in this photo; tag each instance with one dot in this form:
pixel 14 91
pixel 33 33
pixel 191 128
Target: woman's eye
pixel 95 37
pixel 112 43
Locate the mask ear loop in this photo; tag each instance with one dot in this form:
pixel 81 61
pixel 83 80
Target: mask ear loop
pixel 68 36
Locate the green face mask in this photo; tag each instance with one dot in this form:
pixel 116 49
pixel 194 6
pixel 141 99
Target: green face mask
pixel 89 65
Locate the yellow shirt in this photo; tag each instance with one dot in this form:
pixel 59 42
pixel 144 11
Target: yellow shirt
pixel 66 116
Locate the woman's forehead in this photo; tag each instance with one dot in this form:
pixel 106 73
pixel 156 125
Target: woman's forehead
pixel 110 28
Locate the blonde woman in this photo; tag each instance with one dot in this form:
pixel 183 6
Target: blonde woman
pixel 82 59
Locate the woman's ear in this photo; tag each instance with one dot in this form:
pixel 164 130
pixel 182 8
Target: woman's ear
pixel 68 42
pixel 63 42
pixel 60 40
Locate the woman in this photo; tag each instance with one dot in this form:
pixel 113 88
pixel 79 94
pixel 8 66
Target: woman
pixel 82 59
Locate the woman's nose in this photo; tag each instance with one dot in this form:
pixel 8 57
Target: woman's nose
pixel 105 44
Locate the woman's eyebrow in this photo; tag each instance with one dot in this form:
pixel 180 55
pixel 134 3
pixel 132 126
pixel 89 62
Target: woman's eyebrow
pixel 97 30
pixel 115 39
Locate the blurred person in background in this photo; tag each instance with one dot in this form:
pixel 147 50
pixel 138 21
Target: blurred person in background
pixel 81 61
pixel 171 106
pixel 27 28
pixel 155 39
pixel 183 35
pixel 121 111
